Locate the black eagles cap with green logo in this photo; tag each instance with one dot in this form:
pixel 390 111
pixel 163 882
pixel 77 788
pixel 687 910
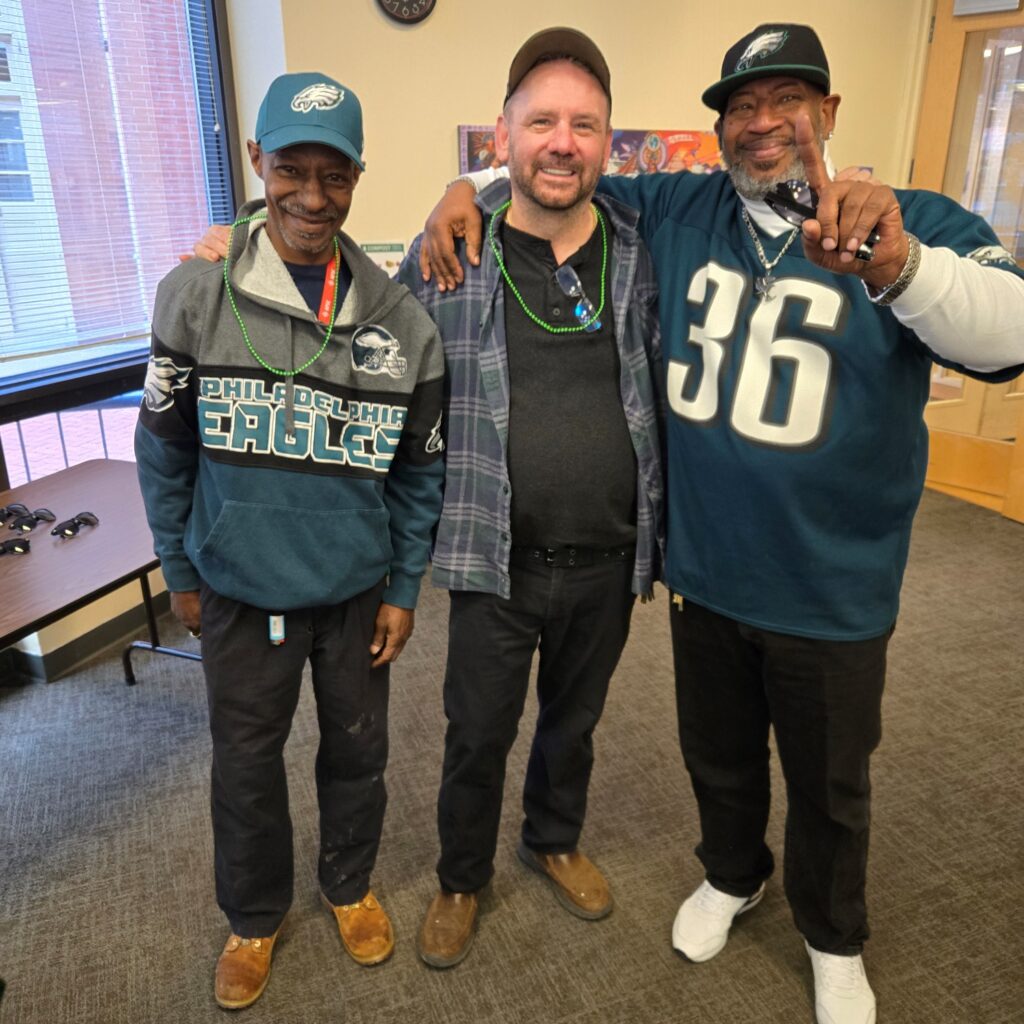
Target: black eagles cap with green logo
pixel 770 50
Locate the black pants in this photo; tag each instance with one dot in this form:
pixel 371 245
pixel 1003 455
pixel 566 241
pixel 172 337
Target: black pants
pixel 252 690
pixel 580 617
pixel 823 699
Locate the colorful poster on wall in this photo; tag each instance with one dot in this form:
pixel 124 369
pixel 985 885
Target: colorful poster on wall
pixel 634 151
pixel 647 152
pixel 476 148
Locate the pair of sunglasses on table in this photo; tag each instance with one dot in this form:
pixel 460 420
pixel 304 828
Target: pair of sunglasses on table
pixel 24 521
pixel 795 201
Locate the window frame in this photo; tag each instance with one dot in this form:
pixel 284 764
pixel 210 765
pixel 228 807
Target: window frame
pixel 8 139
pixel 92 380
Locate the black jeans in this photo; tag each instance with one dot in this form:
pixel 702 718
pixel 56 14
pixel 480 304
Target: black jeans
pixel 580 618
pixel 823 698
pixel 252 690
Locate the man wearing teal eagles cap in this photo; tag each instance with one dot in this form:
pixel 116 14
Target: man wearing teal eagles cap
pixel 289 453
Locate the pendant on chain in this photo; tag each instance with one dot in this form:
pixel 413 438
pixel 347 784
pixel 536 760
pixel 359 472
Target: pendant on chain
pixel 763 286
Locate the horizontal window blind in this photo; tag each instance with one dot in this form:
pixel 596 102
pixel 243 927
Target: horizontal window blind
pixel 113 159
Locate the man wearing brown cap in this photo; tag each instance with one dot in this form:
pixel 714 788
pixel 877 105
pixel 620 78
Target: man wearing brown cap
pixel 796 454
pixel 551 523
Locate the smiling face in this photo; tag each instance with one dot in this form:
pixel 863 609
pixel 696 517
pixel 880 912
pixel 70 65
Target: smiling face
pixel 555 135
pixel 309 193
pixel 758 126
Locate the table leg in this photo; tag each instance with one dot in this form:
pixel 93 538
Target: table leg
pixel 153 644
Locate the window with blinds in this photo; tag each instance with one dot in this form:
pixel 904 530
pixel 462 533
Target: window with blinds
pixel 113 159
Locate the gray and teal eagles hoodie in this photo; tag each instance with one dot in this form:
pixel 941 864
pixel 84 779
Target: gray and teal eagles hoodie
pixel 290 492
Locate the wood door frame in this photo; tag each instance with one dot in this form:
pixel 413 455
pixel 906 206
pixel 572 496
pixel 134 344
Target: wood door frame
pixel 941 81
pixel 987 472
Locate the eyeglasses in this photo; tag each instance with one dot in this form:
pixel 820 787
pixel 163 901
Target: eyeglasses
pixel 569 281
pixel 30 520
pixel 70 527
pixel 17 509
pixel 15 546
pixel 795 201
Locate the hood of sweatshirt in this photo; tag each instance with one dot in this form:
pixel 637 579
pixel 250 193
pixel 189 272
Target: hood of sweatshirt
pixel 257 271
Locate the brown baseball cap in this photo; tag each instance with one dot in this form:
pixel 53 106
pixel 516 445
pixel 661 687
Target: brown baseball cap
pixel 553 43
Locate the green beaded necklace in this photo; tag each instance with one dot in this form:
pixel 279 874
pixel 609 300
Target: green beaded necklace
pixel 515 291
pixel 241 323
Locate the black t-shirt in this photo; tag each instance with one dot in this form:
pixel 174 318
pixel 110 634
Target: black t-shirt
pixel 571 460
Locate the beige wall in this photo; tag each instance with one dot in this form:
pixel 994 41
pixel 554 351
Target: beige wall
pixel 417 83
pixel 257 57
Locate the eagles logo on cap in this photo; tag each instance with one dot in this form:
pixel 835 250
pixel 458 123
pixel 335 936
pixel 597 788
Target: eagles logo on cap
pixel 311 107
pixel 375 350
pixel 763 46
pixel 767 51
pixel 317 97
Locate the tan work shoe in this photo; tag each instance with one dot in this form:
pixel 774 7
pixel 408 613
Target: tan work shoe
pixel 575 880
pixel 243 970
pixel 365 930
pixel 448 929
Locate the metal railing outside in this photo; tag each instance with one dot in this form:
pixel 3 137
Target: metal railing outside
pixel 41 445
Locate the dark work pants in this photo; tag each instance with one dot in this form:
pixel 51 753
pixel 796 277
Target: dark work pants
pixel 252 690
pixel 580 618
pixel 823 699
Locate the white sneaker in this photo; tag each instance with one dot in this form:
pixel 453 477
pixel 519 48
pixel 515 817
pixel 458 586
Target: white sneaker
pixel 702 924
pixel 842 994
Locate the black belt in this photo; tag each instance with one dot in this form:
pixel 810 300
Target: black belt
pixel 570 556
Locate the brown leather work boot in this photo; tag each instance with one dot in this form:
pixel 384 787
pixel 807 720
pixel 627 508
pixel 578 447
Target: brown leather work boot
pixel 365 930
pixel 575 880
pixel 243 971
pixel 448 929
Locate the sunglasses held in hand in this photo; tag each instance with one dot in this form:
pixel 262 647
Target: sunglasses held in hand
pixel 795 201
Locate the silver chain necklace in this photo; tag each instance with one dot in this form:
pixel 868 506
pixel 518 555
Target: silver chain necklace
pixel 763 285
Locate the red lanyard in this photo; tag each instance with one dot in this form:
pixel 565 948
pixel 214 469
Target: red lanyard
pixel 330 286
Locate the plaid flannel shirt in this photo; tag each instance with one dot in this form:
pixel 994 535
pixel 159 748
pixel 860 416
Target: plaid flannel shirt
pixel 474 537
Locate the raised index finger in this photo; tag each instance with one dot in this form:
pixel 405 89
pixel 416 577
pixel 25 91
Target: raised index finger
pixel 810 153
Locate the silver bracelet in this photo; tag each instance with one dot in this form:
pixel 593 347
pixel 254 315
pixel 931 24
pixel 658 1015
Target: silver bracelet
pixel 889 295
pixel 467 178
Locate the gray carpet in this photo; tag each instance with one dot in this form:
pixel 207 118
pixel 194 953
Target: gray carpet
pixel 107 911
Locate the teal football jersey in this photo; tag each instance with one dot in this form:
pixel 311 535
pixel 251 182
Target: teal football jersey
pixel 796 445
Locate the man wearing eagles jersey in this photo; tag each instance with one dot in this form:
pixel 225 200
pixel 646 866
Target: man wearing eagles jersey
pixel 797 454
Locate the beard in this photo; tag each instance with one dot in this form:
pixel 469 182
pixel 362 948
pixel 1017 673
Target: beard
pixel 751 187
pixel 526 181
pixel 311 243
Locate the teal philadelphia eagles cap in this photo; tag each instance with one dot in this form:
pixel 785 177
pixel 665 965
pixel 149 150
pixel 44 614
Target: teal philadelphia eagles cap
pixel 768 51
pixel 310 107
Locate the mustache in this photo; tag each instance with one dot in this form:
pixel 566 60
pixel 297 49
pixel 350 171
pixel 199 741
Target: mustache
pixel 553 163
pixel 765 143
pixel 321 216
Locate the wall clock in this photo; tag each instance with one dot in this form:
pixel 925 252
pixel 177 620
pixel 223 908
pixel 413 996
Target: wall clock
pixel 406 12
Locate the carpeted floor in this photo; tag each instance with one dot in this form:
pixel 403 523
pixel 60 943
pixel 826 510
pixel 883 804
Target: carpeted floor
pixel 107 912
